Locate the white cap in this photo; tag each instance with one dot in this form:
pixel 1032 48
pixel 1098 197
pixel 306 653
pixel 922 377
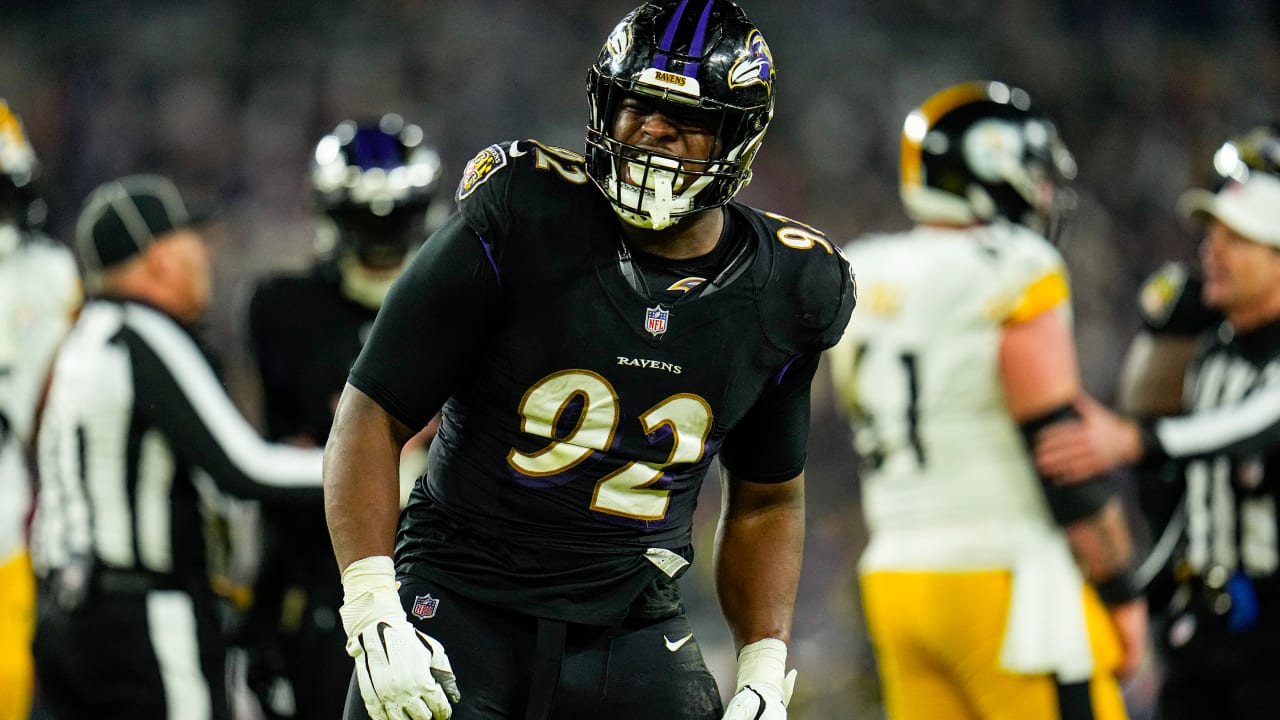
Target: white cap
pixel 1251 208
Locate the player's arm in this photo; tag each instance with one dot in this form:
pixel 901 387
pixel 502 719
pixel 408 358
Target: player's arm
pixel 1039 371
pixel 364 446
pixel 1172 314
pixel 759 548
pixel 429 332
pixel 1152 372
pixel 1072 453
pixel 760 539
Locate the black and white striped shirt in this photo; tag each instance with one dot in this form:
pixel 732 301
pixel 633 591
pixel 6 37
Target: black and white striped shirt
pixel 135 418
pixel 1229 445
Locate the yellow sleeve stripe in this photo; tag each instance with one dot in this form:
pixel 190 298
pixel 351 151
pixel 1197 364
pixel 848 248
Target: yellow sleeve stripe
pixel 1044 294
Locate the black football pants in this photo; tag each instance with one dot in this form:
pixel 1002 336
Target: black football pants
pixel 156 654
pixel 516 667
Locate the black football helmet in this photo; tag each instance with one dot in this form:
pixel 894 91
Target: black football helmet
pixel 20 203
pixel 976 151
pixel 1256 149
pixel 701 54
pixel 380 184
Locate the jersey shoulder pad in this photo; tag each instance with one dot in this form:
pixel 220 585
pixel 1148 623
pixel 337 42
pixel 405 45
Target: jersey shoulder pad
pixel 811 289
pixel 519 179
pixel 1030 273
pixel 1169 301
pixel 55 266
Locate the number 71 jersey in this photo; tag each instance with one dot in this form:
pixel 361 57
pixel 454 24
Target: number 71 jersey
pixel 918 376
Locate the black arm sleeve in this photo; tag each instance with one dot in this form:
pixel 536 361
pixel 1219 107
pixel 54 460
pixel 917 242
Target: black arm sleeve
pixel 432 327
pixel 769 445
pixel 1076 501
pixel 177 392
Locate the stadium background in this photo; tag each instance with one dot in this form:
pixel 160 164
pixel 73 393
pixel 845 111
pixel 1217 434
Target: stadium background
pixel 229 97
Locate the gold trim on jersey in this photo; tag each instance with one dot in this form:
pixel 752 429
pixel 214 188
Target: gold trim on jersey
pixel 1046 293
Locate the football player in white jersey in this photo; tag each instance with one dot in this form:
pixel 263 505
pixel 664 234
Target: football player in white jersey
pixel 39 291
pixel 989 592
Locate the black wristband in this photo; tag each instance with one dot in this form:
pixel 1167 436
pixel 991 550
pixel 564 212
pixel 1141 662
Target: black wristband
pixel 1119 589
pixel 1152 449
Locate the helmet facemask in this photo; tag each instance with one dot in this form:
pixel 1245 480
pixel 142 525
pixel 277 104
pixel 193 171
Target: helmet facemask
pixel 677 58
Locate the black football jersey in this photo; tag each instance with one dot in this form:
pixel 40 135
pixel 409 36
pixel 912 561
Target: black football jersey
pixel 1169 301
pixel 585 411
pixel 305 335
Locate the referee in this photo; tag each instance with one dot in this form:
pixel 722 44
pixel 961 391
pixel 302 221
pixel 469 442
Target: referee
pixel 1220 640
pixel 139 436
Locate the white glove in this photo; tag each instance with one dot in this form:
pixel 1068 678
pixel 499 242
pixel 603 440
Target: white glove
pixel 402 672
pixel 764 686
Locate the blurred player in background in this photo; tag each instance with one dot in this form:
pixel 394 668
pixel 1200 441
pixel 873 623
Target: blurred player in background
pixel 1219 638
pixel 39 293
pixel 377 187
pixel 989 593
pixel 598 330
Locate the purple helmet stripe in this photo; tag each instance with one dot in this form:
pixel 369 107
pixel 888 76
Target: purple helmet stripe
pixel 699 34
pixel 668 36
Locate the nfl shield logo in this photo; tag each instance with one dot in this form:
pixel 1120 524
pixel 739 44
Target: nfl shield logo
pixel 655 320
pixel 424 606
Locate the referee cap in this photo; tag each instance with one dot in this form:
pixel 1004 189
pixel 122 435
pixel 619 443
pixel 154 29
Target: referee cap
pixel 1251 207
pixel 123 217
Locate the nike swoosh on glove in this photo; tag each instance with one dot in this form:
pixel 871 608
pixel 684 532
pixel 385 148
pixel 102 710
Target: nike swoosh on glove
pixel 402 673
pixel 763 688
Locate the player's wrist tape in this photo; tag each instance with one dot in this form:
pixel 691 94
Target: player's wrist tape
pixel 369 594
pixel 763 664
pixel 1121 588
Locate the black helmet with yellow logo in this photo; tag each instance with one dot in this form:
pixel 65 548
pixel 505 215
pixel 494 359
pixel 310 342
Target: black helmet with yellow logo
pixel 977 151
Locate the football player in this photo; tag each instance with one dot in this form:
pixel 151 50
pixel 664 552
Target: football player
pixel 598 330
pixel 377 187
pixel 988 591
pixel 39 293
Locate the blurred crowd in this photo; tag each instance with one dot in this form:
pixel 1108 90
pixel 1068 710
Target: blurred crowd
pixel 228 97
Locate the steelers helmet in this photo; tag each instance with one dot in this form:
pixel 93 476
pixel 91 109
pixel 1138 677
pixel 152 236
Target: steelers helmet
pixel 699 55
pixel 1254 150
pixel 379 182
pixel 977 151
pixel 20 203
